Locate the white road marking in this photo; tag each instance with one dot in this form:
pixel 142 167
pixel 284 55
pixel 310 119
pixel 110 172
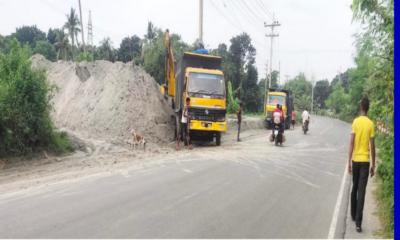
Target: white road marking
pixel 332 228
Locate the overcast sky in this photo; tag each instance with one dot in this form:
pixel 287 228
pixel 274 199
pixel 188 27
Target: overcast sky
pixel 315 36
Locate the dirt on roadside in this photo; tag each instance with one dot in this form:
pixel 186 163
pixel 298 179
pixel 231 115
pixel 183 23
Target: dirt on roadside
pixel 102 100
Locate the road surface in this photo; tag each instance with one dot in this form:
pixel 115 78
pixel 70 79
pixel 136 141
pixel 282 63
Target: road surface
pixel 249 189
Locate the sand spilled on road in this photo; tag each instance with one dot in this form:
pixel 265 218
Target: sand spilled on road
pixel 103 100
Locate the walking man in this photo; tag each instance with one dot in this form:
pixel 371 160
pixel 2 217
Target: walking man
pixel 361 145
pixel 239 119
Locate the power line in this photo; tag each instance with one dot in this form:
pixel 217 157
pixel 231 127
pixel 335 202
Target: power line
pixel 249 16
pixel 252 12
pixel 252 24
pixel 226 18
pixel 264 8
pixel 259 9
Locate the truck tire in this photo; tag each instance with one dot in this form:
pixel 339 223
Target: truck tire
pixel 218 139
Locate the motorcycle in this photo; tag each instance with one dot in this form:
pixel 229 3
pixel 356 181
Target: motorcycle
pixel 277 136
pixel 305 126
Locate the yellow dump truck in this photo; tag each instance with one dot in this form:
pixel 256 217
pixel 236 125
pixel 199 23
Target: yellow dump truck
pixel 282 97
pixel 199 77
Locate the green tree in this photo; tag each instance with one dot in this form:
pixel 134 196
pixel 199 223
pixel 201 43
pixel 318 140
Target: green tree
pixel 343 79
pixel 151 32
pixel 154 54
pixel 274 79
pixel 338 100
pixel 130 49
pixel 5 44
pixel 29 35
pixel 25 124
pixel 250 89
pixel 321 93
pixel 301 89
pixel 46 49
pixel 106 51
pixel 72 26
pixel 52 35
pixel 241 53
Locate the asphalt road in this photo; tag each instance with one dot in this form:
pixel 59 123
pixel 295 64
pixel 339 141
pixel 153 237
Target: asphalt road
pixel 249 189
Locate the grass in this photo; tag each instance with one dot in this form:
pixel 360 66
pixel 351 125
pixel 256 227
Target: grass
pixel 385 215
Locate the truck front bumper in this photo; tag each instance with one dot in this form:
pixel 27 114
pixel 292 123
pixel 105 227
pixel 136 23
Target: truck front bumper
pixel 208 126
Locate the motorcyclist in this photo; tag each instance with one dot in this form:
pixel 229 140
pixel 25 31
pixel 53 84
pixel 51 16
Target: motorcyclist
pixel 277 118
pixel 306 118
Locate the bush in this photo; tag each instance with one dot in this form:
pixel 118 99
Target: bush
pixel 46 49
pixel 25 124
pixel 84 56
pixel 385 191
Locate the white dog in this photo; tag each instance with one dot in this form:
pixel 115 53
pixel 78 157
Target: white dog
pixel 137 139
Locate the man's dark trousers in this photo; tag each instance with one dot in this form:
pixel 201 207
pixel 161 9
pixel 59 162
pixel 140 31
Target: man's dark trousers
pixel 360 178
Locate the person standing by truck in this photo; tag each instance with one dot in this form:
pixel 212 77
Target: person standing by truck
pixel 185 123
pixel 362 143
pixel 239 113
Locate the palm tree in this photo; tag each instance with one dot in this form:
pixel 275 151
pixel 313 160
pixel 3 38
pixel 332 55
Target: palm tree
pixel 61 44
pixel 72 25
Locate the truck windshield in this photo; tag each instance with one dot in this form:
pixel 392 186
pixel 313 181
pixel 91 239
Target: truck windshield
pixel 207 84
pixel 276 99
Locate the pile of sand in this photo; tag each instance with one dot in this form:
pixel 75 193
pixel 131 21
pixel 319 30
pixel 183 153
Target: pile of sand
pixel 104 100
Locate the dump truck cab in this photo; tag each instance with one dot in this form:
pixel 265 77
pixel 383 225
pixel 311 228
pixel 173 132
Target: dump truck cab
pixel 282 97
pixel 206 90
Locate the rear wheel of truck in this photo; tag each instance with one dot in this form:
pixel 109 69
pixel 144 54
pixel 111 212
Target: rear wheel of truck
pixel 218 139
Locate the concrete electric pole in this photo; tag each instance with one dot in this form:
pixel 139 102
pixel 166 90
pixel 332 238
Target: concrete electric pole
pixel 271 36
pixel 312 93
pixel 83 35
pixel 90 30
pixel 201 21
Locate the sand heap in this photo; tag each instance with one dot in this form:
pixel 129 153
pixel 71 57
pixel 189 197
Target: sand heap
pixel 103 100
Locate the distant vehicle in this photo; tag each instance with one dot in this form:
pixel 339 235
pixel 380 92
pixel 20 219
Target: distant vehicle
pixel 282 97
pixel 197 76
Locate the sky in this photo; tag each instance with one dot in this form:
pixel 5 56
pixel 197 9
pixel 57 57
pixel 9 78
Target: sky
pixel 315 37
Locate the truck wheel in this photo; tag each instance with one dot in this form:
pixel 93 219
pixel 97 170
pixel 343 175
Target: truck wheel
pixel 218 139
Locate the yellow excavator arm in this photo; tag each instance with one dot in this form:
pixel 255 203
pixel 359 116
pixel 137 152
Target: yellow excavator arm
pixel 169 84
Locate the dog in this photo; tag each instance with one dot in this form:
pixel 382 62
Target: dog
pixel 137 139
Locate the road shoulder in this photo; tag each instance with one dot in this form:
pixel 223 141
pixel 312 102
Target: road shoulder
pixel 371 223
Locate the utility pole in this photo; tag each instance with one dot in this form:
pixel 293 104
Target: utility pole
pixel 265 87
pixel 271 36
pixel 279 74
pixel 201 21
pixel 83 35
pixel 312 93
pixel 90 30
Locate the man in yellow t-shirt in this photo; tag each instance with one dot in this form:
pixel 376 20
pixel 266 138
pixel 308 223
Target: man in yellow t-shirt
pixel 361 144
